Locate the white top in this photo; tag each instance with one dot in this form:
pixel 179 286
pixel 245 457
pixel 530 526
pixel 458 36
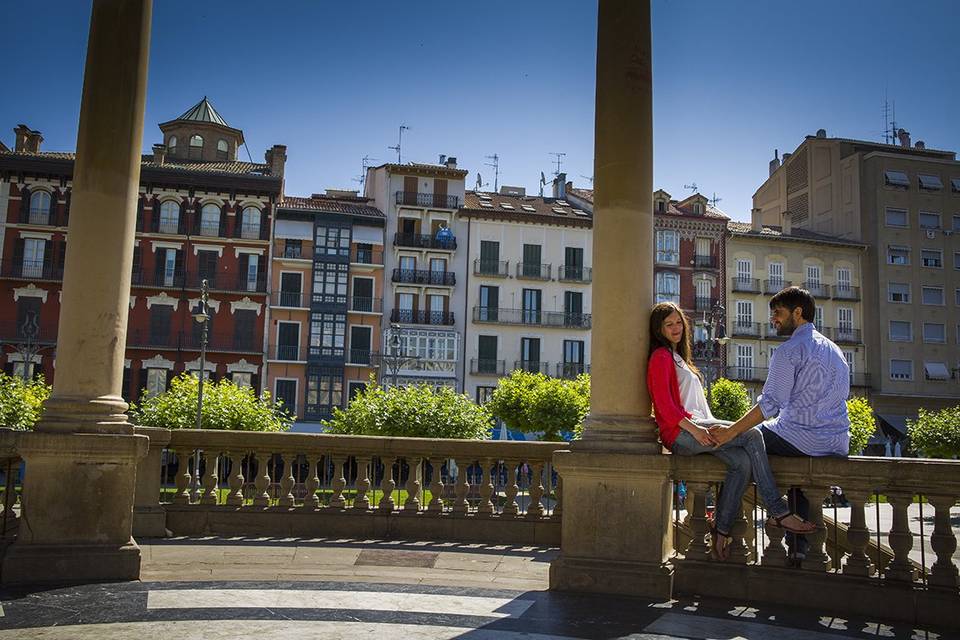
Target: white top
pixel 691 391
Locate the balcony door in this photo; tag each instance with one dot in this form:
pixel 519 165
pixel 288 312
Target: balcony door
pixel 573 263
pixel 573 358
pixel 530 354
pixel 775 275
pixel 33 255
pixel 291 289
pixel 487 354
pixel 288 340
pixel 362 294
pixel 207 266
pixel 573 308
pixel 531 260
pixel 532 299
pixel 489 303
pixel 489 257
pixel 745 361
pixel 360 341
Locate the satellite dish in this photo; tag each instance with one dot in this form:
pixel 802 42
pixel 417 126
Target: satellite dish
pixel 479 182
pixel 543 178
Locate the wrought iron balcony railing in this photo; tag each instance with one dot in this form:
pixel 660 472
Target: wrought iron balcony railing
pixel 415 316
pixel 570 370
pixel 435 200
pixel 775 285
pixel 424 241
pixel 533 271
pixel 282 250
pixel 846 335
pixel 366 305
pixel 532 366
pixel 491 268
pixel 366 256
pixel 363 358
pixel 424 276
pixel 574 273
pixel 32 270
pixel 745 285
pixel 704 262
pixel 287 352
pixel 747 373
pixel 487 367
pixel 705 304
pixel 845 292
pixel 742 328
pixel 532 317
pixel 817 289
pixel 294 299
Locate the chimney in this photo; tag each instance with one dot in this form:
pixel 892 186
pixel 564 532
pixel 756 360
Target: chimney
pixel 159 153
pixel 920 145
pixel 904 136
pixel 560 186
pixel 28 140
pixel 786 223
pixel 786 156
pixel 821 133
pixel 443 159
pixel 775 163
pixel 755 217
pixel 451 163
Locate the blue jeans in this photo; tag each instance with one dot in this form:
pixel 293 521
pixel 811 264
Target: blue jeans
pixel 797 501
pixel 743 455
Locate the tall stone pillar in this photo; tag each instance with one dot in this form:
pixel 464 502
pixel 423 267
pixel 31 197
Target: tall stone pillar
pixel 79 486
pixel 616 490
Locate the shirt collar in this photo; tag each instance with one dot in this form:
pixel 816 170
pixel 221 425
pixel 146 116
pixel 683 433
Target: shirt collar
pixel 803 331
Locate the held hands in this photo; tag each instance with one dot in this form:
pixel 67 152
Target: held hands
pixel 704 436
pixel 722 435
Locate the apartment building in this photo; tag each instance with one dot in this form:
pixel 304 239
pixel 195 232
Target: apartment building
pixel 202 215
pixel 528 287
pixel 903 202
pixel 326 302
pixel 763 260
pixel 422 260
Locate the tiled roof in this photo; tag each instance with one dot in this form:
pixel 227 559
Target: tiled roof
pixel 221 168
pixel 525 209
pixel 673 208
pixel 799 235
pixel 423 168
pixel 584 194
pixel 327 204
pixel 203 111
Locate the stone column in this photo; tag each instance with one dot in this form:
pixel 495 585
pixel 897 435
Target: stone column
pixel 80 480
pixel 617 534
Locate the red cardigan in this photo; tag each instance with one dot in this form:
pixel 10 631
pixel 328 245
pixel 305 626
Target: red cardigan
pixel 665 394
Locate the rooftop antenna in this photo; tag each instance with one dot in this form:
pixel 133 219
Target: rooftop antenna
pixel 559 160
pixel 496 170
pixel 480 184
pixel 590 178
pixel 714 200
pixel 692 186
pixel 543 183
pixel 362 178
pixel 399 142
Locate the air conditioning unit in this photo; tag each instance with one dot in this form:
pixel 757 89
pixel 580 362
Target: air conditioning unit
pixel 931 234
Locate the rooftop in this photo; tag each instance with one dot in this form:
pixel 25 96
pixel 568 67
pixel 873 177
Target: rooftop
pixel 356 205
pixel 170 164
pixel 533 209
pixel 796 235
pixel 203 111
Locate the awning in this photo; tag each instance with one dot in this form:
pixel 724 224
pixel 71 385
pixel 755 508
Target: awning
pixel 936 371
pixel 897 178
pixel 930 182
pixel 893 425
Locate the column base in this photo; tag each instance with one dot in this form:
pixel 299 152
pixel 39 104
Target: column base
pixel 70 563
pixel 150 522
pixel 597 575
pixel 623 434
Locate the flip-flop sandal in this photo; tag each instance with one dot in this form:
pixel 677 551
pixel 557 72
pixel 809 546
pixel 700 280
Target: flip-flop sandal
pixel 778 521
pixel 719 545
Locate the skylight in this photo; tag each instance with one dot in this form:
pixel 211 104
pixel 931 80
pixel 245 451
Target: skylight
pixel 506 205
pixel 562 212
pixel 527 207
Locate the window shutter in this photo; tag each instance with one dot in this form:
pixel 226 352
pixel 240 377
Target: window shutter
pixel 47 258
pixel 182 219
pixel 159 258
pixel 139 214
pixel 255 383
pixel 137 260
pixel 178 269
pixel 18 256
pixel 197 213
pixel 237 221
pixel 53 216
pixel 66 208
pixel 155 216
pixel 265 223
pixel 125 389
pixel 24 213
pixel 223 221
pixel 244 261
pixel 61 257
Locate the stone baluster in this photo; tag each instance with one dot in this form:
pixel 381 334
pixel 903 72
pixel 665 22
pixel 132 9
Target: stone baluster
pixel 486 487
pixel 387 485
pixel 413 486
pixel 697 507
pixel 195 480
pixel 944 572
pixel 774 554
pixel 436 487
pixel 235 497
pixel 535 509
pixel 460 504
pixel 182 495
pixel 311 500
pixel 858 536
pixel 740 536
pixel 338 482
pixel 510 506
pixel 558 493
pixel 817 559
pixel 901 538
pixel 262 483
pixel 362 500
pixel 211 479
pixel 288 481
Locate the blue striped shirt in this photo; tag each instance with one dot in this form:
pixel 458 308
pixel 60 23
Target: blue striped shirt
pixel 806 394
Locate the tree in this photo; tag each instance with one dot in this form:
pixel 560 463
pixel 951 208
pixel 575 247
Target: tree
pixel 225 406
pixel 936 434
pixel 536 403
pixel 728 400
pixel 21 403
pixel 416 411
pixel 862 424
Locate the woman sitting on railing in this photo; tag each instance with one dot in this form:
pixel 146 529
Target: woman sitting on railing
pixel 683 415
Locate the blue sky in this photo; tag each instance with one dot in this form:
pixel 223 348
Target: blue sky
pixel 733 80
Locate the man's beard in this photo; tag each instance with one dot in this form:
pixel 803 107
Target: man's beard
pixel 786 327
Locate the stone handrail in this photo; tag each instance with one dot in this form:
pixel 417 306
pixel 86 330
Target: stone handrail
pixel 899 479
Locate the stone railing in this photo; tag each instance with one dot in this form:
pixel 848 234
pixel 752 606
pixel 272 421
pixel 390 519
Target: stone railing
pixel 10 482
pixel 851 554
pixel 253 483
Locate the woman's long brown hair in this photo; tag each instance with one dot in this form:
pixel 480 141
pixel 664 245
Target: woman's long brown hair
pixel 657 339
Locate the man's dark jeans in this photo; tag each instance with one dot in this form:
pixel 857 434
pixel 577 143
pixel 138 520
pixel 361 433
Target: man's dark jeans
pixel 797 502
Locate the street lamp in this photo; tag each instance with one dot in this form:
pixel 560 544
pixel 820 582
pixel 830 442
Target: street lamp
pixel 395 360
pixel 716 337
pixel 27 346
pixel 203 317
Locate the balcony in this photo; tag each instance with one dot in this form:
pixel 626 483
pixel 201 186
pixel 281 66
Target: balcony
pixel 744 328
pixel 433 200
pixel 668 257
pixel 363 358
pixel 424 276
pixel 532 366
pixel 774 286
pixel 37 270
pixel 169 227
pixel 487 367
pixel 148 340
pixel 12 333
pixel 575 273
pixel 703 350
pixel 570 370
pixel 366 256
pixel 282 250
pixel 326 352
pixel 845 292
pixel 705 304
pixel 222 342
pixel 366 305
pixel 42 218
pixel 745 285
pixel 817 289
pixel 704 262
pixel 423 241
pixel 250 231
pixel 747 373
pixel 843 335
pixel 289 299
pixel 491 268
pixel 532 317
pixel 209 229
pixel 287 353
pixel 415 316
pixel 532 271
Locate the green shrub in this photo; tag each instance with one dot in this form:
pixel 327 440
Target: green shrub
pixel 21 403
pixel 534 403
pixel 729 400
pixel 862 424
pixel 936 434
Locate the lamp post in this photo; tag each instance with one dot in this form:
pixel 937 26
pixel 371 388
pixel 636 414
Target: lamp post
pixel 27 346
pixel 395 360
pixel 716 337
pixel 203 317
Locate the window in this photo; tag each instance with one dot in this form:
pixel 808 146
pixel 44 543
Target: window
pixel 573 263
pixel 250 223
pixel 327 334
pixel 573 359
pixel 894 178
pixel 936 371
pixel 668 287
pixel 156 381
pixel 210 220
pixel 851 359
pixel 901 369
pixel 956 297
pixel 405 301
pixel 330 282
pixel 929 220
pixel 703 289
pixel 697 209
pixel 744 367
pixel 901 330
pixel 251 276
pixel 531 260
pixel 40 207
pixel 818 317
pixel 489 257
pixel 288 341
pixel 362 294
pixel 934 332
pixel 932 295
pixel 489 301
pixel 242 378
pixel 932 258
pixel 956 223
pixel 222 150
pixel 668 246
pixel 292 248
pixel 845 320
pixel 898 255
pixel 775 274
pixel 196 147
pixel 432 345
pixel 843 280
pixel 207 265
pixel 530 354
pixel 532 304
pixel 929 182
pixel 744 313
pixel 661 206
pixel 485 394
pixel 291 287
pixel 898 292
pixel 333 241
pixel 436 306
pixel 172 145
pixel 361 337
pixel 813 276
pixel 439 266
pixel 956 259
pixel 955 185
pixel 160 315
pixel 169 217
pixel 354 388
pixel 33 256
pixel 245 332
pixel 324 392
pixel 703 247
pixel 285 391
pixel 897 218
pixel 744 271
pixel 487 355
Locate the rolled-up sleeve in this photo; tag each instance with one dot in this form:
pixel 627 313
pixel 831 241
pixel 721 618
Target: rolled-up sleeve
pixel 779 385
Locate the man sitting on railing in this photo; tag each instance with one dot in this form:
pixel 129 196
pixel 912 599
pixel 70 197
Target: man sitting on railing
pixel 804 400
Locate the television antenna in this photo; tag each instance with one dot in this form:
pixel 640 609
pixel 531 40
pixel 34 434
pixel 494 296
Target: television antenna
pixel 480 183
pixel 399 141
pixel 496 170
pixel 559 160
pixel 714 200
pixel 692 186
pixel 590 178
pixel 366 164
pixel 889 121
pixel 543 183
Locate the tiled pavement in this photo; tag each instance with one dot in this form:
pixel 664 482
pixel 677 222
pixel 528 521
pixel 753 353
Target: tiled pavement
pixel 214 588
